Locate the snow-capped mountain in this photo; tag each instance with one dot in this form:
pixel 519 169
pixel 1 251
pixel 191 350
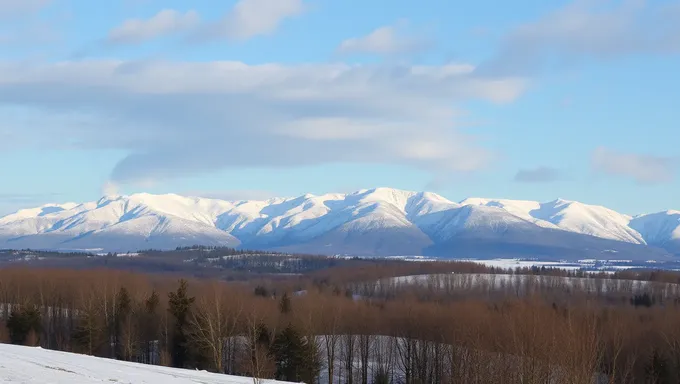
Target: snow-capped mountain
pixel 380 221
pixel 570 216
pixel 660 229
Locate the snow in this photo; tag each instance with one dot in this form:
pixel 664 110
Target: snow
pixel 587 265
pixel 658 227
pixel 142 221
pixel 570 216
pixel 40 366
pixel 522 283
pixel 515 263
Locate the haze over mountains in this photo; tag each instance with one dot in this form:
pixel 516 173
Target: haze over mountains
pixel 379 222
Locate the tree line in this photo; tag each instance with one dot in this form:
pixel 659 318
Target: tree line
pixel 317 331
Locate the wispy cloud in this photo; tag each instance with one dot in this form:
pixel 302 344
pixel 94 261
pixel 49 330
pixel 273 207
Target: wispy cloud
pixel 12 8
pixel 644 169
pixel 180 118
pixel 537 175
pixel 247 19
pixel 23 28
pixel 387 40
pixel 587 29
pixel 165 22
pixel 251 18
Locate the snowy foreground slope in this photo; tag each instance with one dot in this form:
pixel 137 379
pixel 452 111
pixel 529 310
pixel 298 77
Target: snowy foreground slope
pixel 41 366
pixel 380 221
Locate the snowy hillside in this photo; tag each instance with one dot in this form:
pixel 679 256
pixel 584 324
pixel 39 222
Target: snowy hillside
pixel 380 221
pixel 38 366
pixel 661 229
pixel 570 216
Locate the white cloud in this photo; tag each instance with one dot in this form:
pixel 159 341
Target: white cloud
pixel 11 8
pixel 181 118
pixel 644 169
pixel 165 22
pixel 590 29
pixel 21 27
pixel 251 18
pixel 387 40
pixel 247 19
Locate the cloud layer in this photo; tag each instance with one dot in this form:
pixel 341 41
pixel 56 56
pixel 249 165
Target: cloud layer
pixel 644 169
pixel 587 29
pixel 177 118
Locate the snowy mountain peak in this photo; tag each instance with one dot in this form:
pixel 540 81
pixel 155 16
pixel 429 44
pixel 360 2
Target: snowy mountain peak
pixel 380 218
pixel 561 201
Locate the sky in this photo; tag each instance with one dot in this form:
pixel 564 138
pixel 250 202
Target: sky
pixel 522 99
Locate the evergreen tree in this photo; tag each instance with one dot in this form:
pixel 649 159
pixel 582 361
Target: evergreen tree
pixel 180 306
pixel 152 302
pixel 88 332
pixel 123 307
pixel 296 359
pixel 262 337
pixel 149 330
pixel 24 323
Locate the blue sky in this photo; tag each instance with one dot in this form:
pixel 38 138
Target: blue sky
pixel 257 98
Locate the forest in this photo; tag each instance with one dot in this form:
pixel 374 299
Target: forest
pixel 360 322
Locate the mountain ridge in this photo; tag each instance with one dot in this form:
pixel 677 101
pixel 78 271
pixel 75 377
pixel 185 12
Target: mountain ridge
pixel 379 221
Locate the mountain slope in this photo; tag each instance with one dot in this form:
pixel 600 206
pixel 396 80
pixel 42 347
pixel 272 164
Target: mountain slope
pixel 660 229
pixel 570 216
pixel 379 221
pixel 114 223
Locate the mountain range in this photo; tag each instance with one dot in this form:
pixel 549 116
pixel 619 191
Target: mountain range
pixel 375 222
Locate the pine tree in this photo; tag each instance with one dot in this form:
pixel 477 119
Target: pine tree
pixel 180 306
pixel 152 302
pixel 123 307
pixel 24 322
pixel 88 333
pixel 296 358
pixel 149 320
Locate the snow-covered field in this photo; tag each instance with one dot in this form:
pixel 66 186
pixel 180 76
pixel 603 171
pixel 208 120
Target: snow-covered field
pixel 524 283
pixel 516 263
pixel 41 366
pixel 588 265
